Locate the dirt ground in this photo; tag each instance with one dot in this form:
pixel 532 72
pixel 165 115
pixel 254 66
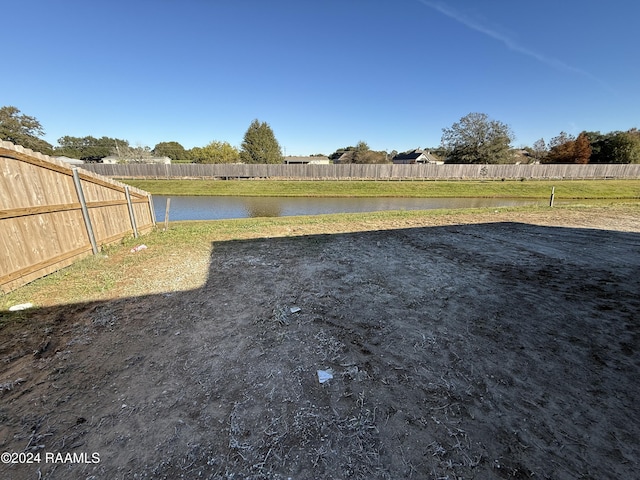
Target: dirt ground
pixel 459 351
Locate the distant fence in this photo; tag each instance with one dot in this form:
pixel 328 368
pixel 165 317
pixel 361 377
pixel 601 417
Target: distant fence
pixel 368 172
pixel 52 214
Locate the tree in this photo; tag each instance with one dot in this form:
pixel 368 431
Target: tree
pixel 615 147
pixel 582 149
pixel 173 150
pixel 477 139
pixel 260 145
pixel 216 152
pixel 560 149
pixel 438 152
pixel 371 156
pixel 561 139
pixel 89 149
pixel 361 153
pixel 566 148
pixel 596 139
pixel 127 154
pixel 539 149
pixel 22 130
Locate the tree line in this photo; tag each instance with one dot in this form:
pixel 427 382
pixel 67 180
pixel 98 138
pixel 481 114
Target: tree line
pixel 259 144
pixel 475 138
pixel 478 139
pixel 590 147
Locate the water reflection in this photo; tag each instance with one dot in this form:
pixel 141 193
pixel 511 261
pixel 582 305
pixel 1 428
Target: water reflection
pixel 263 207
pixel 217 208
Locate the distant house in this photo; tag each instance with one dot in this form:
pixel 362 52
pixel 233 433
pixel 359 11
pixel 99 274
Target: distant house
pixel 161 160
pixel 344 158
pixel 521 156
pixel 416 156
pixel 306 160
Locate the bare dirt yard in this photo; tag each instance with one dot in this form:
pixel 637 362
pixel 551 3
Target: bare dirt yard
pixel 462 349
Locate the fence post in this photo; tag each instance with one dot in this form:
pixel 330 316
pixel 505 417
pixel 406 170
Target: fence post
pixel 166 215
pixel 132 215
pixel 152 209
pixel 85 210
pixel 553 193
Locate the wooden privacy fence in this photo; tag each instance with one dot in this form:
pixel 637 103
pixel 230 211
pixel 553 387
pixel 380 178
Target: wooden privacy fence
pixel 52 214
pixel 368 172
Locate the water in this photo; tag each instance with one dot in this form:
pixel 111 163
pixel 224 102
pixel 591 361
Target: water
pixel 217 208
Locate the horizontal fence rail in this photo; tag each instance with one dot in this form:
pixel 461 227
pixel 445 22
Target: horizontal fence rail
pixel 367 172
pixel 52 214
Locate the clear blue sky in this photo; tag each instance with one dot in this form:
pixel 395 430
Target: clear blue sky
pixel 324 74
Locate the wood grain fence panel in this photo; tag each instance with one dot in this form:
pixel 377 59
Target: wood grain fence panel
pixel 39 241
pixel 97 193
pixel 9 196
pixel 110 221
pixel 367 171
pixel 310 172
pixel 182 170
pixel 431 171
pixel 144 220
pixel 414 171
pixel 13 240
pixel 384 171
pixel 303 172
pixel 21 178
pixel 47 267
pixel 293 171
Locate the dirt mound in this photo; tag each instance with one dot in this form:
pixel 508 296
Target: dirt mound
pixel 497 350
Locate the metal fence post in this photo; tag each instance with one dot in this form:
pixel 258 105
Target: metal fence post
pixel 132 215
pixel 152 209
pixel 85 210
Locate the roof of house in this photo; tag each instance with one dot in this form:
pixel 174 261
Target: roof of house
pixel 344 158
pixel 414 155
pixel 305 160
pixel 409 155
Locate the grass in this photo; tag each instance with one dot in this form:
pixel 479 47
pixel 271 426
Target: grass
pixel 178 258
pixel 575 189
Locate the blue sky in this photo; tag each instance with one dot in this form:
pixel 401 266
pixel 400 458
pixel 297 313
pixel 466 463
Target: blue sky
pixel 324 74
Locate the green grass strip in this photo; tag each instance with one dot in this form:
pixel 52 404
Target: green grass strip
pixel 574 189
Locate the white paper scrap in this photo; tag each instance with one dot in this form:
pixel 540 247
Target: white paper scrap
pixel 22 306
pixel 324 375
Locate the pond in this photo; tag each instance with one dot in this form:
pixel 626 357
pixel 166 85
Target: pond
pixel 217 208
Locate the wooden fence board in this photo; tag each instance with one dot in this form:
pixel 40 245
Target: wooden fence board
pixel 42 228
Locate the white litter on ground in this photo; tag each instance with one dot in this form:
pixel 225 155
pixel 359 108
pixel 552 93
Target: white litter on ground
pixel 22 306
pixel 324 375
